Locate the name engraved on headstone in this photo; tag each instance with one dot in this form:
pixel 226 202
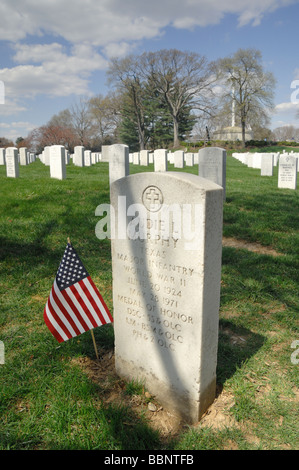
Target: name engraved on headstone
pixel 10 167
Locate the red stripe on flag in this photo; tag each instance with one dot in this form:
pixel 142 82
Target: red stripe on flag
pixel 59 321
pixel 66 314
pixel 83 305
pixel 75 310
pixel 100 298
pixel 56 317
pixel 52 328
pixel 89 295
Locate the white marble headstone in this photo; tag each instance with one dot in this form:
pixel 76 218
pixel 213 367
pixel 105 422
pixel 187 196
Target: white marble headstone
pixel 12 162
pixel 87 157
pixel 160 160
pixel 57 162
pixel 267 161
pixel 189 159
pixel 179 160
pixel 144 157
pixel 118 162
pixel 78 159
pixel 166 264
pixel 212 165
pixel 2 156
pixel 287 172
pixel 23 152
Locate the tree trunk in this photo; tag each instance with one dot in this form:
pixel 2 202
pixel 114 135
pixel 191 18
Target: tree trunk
pixel 176 141
pixel 140 127
pixel 243 132
pixel 141 137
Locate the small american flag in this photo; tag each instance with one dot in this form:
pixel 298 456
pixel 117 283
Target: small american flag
pixel 74 305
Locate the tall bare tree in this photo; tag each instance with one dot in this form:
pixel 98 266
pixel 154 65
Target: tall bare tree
pixel 105 114
pixel 179 80
pixel 253 87
pixel 62 119
pixel 50 134
pixel 125 74
pixel 286 133
pixel 81 120
pixel 182 79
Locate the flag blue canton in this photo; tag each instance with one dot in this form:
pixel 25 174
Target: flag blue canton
pixel 71 269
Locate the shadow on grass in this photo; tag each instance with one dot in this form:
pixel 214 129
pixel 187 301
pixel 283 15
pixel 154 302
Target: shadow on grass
pixel 259 279
pixel 130 430
pixel 257 290
pixel 269 217
pixel 235 346
pixel 37 252
pixel 30 251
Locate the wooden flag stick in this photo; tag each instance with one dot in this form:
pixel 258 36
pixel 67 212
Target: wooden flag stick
pixel 91 331
pixel 94 344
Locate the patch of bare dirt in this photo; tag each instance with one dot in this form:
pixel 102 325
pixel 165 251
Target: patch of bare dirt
pixel 103 373
pixel 254 247
pixel 217 415
pixel 234 339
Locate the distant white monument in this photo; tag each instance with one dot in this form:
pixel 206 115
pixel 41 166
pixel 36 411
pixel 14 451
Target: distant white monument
pixel 232 132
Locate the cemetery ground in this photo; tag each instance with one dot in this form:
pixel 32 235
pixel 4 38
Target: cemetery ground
pixel 58 396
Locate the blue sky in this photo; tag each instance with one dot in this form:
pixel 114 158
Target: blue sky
pixel 52 52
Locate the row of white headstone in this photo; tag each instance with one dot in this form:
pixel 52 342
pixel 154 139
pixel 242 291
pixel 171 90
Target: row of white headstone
pixel 57 157
pixel 179 159
pixel 81 157
pixel 211 161
pixel 288 165
pixel 54 156
pixel 12 158
pixel 24 156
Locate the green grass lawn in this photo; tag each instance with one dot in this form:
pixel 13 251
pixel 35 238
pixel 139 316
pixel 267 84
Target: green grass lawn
pixel 56 396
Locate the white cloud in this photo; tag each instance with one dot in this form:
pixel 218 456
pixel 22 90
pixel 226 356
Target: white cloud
pixel 285 115
pixel 27 81
pixel 37 53
pixel 83 59
pixel 286 107
pixel 16 129
pixel 48 69
pixel 285 124
pixel 101 22
pixel 17 124
pixel 10 107
pixel 115 49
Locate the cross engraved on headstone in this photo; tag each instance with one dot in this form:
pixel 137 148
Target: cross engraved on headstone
pixel 152 198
